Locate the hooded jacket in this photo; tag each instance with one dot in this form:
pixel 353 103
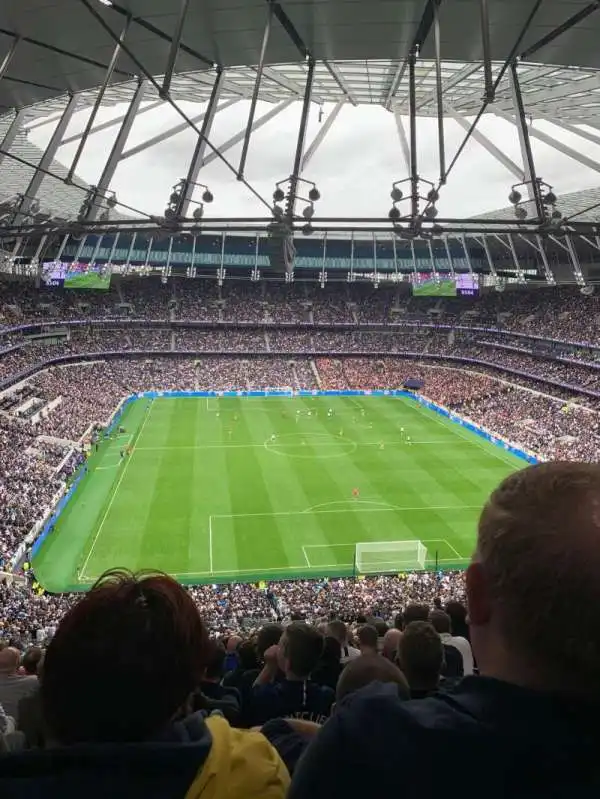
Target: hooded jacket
pixel 195 758
pixel 486 738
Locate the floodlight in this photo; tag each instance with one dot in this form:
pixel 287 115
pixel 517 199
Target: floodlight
pixel 307 229
pixel 514 197
pixel 308 212
pixel 551 198
pixel 198 213
pixel 433 196
pixel 207 197
pixel 314 194
pixel 431 212
pixel 396 194
pixel 394 213
pixel 170 215
pixel 521 212
pixel 174 198
pixel 278 195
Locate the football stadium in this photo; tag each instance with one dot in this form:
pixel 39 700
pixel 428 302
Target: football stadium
pixel 299 396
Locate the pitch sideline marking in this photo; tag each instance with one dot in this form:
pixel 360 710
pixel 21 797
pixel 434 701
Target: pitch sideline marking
pixel 210 544
pixel 114 495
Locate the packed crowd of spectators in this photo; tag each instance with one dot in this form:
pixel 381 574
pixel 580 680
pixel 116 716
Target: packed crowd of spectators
pixel 555 312
pixel 385 682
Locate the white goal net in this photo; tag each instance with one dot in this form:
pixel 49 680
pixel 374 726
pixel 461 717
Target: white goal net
pixel 390 556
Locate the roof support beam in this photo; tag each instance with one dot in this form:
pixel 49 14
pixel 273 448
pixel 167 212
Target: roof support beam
pixel 439 92
pixel 99 98
pixel 546 96
pixel 539 248
pixel 143 71
pixel 183 206
pixel 46 160
pixel 297 168
pixel 335 73
pixel 109 124
pixel 403 139
pixel 174 49
pixel 489 145
pixel 117 150
pixel 414 166
pixel 160 34
pixel 531 179
pixel 569 128
pixel 289 84
pixel 255 91
pixel 239 136
pixel 9 56
pixel 566 25
pixel 487 50
pixel 458 77
pixel 67 53
pixel 288 26
pixel 552 142
pixel 46 121
pixel 395 82
pixel 170 132
pixel 323 131
pixel 12 132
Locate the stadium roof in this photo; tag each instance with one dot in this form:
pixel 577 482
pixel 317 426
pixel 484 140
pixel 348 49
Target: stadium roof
pixel 581 205
pixel 520 60
pixel 54 48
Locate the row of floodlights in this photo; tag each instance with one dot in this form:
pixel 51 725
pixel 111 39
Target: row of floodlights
pixel 549 200
pixel 172 210
pixel 308 212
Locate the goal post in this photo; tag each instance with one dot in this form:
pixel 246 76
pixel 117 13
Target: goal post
pixel 374 557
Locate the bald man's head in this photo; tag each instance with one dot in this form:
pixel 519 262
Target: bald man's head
pixel 9 660
pixel 390 643
pixel 367 669
pixel 534 586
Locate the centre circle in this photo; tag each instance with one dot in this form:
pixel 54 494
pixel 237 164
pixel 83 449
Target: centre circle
pixel 310 445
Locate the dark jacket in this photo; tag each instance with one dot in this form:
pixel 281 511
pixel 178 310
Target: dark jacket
pixel 485 738
pixel 195 758
pixel 301 699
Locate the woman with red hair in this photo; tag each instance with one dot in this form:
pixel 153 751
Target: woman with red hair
pixel 118 678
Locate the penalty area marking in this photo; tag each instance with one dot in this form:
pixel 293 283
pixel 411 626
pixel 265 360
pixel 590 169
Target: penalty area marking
pixel 344 565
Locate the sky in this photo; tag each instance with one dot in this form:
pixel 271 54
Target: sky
pixel 354 168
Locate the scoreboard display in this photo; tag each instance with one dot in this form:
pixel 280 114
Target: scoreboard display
pixel 76 275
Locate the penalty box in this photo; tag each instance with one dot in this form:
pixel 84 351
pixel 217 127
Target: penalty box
pixel 300 535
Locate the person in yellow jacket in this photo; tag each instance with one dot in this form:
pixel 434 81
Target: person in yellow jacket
pixel 115 693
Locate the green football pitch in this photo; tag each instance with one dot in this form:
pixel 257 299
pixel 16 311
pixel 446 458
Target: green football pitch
pixel 251 488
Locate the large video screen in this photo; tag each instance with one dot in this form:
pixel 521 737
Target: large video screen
pixel 87 276
pixel 76 275
pixel 434 287
pixel 53 273
pixel 467 284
